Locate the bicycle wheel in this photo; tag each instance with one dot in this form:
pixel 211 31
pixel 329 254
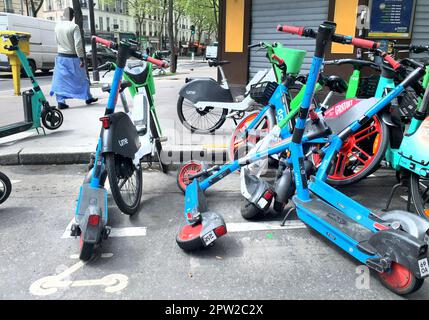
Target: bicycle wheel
pixel 419 189
pixel 202 121
pixel 240 138
pixel 360 155
pixel 126 183
pixel 5 187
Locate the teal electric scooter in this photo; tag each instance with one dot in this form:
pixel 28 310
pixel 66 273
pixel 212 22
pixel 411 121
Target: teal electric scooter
pixel 37 110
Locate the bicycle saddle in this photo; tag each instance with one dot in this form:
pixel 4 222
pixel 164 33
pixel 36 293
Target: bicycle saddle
pixel 336 84
pixel 216 63
pixel 107 87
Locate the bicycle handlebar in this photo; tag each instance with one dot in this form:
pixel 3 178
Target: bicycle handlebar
pixel 412 48
pixel 256 45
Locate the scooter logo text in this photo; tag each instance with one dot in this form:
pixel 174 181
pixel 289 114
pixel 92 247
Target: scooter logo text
pixel 123 142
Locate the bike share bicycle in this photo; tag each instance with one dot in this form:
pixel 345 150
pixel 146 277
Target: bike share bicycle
pixel 395 244
pixel 204 105
pixel 118 156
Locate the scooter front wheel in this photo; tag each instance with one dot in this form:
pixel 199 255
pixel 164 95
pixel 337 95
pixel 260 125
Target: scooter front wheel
pixel 187 170
pixel 204 121
pixel 126 183
pixel 189 238
pixel 5 187
pixel 400 280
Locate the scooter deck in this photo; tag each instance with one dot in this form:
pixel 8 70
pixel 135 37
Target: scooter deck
pixel 336 227
pixel 15 128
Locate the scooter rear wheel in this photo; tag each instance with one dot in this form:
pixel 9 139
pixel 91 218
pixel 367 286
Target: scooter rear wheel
pixel 5 187
pixel 190 168
pixel 52 119
pixel 400 280
pixel 189 238
pixel 86 249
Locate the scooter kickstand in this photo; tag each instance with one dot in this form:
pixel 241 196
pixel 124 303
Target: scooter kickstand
pixel 293 209
pixel 392 193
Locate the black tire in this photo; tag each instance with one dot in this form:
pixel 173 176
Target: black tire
pixel 211 129
pixel 52 119
pixel 120 168
pixel 419 189
pixel 86 251
pixel 5 187
pixel 374 166
pixel 190 244
pixel 279 207
pixel 249 211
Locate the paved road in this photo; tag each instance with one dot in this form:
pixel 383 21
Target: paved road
pixel 265 264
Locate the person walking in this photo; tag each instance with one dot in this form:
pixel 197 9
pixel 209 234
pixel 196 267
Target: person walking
pixel 70 80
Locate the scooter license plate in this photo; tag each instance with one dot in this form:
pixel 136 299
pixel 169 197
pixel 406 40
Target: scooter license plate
pixel 424 267
pixel 209 238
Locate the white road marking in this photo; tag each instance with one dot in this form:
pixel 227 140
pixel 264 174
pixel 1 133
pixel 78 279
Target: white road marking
pixel 263 226
pixel 15 181
pixel 115 232
pixel 50 285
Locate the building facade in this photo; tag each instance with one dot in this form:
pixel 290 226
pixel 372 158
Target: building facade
pixel 13 6
pixel 244 22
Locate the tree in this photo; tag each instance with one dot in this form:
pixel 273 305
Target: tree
pixel 173 65
pixel 33 7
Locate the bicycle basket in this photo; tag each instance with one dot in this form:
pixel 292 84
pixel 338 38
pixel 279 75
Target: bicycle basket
pixel 262 92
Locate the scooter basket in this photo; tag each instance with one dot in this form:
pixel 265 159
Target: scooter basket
pixel 262 92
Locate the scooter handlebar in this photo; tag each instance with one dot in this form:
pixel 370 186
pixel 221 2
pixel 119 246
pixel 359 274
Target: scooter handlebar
pixel 159 63
pixel 104 42
pixel 291 29
pixel 278 59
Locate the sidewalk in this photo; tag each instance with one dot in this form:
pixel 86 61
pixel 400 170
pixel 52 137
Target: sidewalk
pixel 76 139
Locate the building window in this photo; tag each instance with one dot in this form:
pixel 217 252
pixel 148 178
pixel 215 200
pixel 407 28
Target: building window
pixel 100 21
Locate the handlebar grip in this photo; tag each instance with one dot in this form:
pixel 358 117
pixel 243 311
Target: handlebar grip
pixel 102 41
pixel 291 29
pixel 254 45
pixel 157 62
pixel 395 64
pixel 365 44
pixel 278 59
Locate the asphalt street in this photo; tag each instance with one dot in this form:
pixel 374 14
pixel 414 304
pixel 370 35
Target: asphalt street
pixel 254 261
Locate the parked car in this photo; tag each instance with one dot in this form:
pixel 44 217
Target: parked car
pixel 103 55
pixel 43 46
pixel 211 51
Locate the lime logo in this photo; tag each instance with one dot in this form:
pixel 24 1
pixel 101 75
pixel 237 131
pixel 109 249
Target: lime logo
pixel 123 142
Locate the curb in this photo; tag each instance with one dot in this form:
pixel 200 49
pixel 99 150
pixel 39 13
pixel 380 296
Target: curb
pixel 174 156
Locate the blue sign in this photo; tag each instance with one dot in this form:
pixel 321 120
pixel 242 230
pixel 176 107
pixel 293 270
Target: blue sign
pixel 392 18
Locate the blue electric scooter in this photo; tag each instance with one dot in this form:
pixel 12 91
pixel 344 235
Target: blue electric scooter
pixel 395 244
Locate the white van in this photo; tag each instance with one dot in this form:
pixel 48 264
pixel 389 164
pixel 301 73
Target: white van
pixel 43 46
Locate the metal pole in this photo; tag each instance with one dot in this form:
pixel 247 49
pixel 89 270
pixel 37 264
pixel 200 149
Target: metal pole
pixel 95 73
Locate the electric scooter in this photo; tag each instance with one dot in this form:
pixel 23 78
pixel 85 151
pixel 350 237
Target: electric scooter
pixel 118 156
pixel 5 187
pixel 407 153
pixel 394 244
pixel 204 104
pixel 37 110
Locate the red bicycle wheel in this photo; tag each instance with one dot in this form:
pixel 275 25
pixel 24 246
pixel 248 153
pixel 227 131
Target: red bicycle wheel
pixel 239 138
pixel 360 155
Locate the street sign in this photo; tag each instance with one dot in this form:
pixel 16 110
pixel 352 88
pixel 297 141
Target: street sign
pixel 392 18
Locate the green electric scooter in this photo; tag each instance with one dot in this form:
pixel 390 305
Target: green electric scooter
pixel 37 110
